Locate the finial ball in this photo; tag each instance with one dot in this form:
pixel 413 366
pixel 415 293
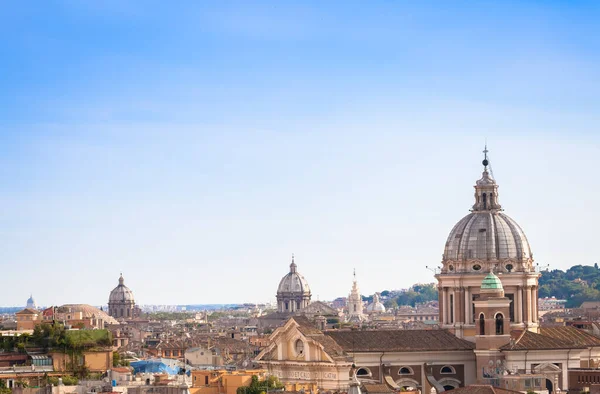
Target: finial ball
pixel 485 162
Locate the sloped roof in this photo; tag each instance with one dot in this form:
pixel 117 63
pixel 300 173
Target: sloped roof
pixel 330 346
pixel 571 334
pixel 27 311
pixel 482 389
pixel 527 340
pixel 376 388
pixel 399 340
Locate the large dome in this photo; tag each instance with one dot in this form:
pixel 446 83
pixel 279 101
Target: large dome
pixel 487 236
pixel 293 282
pixel 487 239
pixel 121 293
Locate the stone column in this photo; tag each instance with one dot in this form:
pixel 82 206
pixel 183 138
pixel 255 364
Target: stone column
pixel 441 304
pixel 447 304
pixel 519 305
pixel 526 304
pixel 535 303
pixel 467 303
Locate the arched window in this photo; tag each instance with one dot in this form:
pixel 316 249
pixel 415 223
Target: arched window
pixel 298 305
pixel 481 324
pixel 287 305
pixel 484 201
pixel 499 324
pixel 363 372
pixel 354 307
pixel 405 371
pixel 448 369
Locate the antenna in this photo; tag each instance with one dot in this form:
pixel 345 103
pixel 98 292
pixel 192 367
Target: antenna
pixel 435 270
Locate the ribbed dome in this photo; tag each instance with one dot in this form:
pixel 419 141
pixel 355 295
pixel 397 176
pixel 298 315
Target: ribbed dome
pixel 293 282
pixel 121 293
pixel 491 282
pixel 487 235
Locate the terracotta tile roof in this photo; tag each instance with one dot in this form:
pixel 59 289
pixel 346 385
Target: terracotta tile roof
pixel 527 340
pixel 482 389
pixel 27 311
pixel 399 340
pixel 571 334
pixel 375 388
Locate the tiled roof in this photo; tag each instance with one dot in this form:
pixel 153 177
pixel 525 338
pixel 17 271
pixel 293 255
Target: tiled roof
pixel 399 340
pixel 27 311
pixel 482 389
pixel 571 334
pixel 527 340
pixel 375 388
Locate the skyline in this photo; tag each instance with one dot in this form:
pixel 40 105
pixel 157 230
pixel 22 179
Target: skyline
pixel 180 144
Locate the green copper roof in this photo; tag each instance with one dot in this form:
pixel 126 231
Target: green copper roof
pixel 491 281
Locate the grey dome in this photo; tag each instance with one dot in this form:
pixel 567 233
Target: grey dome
pixel 487 236
pixel 376 306
pixel 293 282
pixel 121 293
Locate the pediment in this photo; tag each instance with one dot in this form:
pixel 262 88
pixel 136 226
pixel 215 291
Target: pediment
pixel 319 308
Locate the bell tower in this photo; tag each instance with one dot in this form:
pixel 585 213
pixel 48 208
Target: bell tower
pixel 492 324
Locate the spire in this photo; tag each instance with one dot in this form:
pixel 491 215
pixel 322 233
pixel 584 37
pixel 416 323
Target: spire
pixel 293 265
pixel 354 274
pixel 486 189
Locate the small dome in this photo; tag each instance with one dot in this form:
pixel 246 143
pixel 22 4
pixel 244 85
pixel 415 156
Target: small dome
pixel 293 282
pixel 121 293
pixel 491 282
pixel 376 306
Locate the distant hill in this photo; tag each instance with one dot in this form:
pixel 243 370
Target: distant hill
pixel 578 284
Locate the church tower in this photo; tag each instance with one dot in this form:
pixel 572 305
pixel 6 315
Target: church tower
pixel 486 240
pixel 492 325
pixel 355 304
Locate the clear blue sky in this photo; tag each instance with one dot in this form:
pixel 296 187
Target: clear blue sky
pixel 195 146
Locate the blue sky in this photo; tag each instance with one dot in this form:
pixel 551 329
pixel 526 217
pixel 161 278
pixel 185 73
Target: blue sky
pixel 195 146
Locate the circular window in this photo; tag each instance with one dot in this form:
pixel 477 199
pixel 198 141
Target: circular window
pixel 509 267
pixel 299 346
pixel 450 267
pixel 476 267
